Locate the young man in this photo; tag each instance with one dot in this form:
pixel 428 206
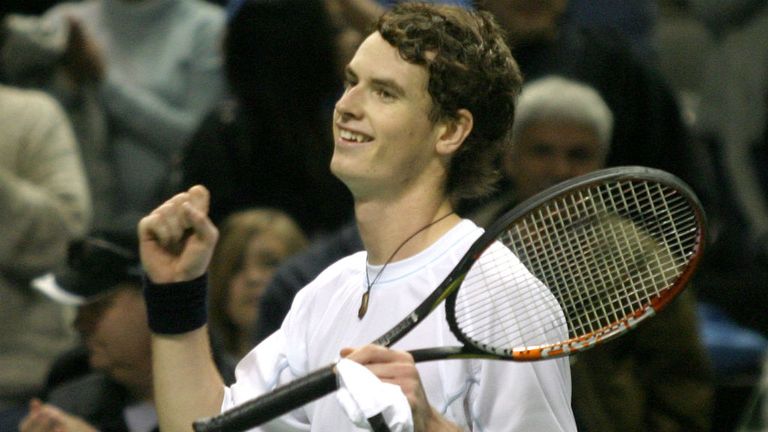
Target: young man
pixel 428 104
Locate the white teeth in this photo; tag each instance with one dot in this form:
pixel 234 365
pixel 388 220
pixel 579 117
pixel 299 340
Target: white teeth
pixel 351 136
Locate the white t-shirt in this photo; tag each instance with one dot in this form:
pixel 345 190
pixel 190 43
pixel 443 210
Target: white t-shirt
pixel 478 395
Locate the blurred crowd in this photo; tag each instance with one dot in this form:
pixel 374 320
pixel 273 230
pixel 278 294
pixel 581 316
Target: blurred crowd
pixel 109 107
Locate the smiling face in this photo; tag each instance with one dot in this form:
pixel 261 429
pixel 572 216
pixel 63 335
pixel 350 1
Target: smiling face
pixel 384 138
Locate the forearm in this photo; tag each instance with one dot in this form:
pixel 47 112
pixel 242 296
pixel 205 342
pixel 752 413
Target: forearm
pixel 187 384
pixel 162 126
pixel 176 243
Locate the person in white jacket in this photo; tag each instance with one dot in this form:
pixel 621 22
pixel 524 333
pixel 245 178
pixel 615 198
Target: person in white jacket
pixel 44 204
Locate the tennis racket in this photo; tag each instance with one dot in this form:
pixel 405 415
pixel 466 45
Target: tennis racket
pixel 600 253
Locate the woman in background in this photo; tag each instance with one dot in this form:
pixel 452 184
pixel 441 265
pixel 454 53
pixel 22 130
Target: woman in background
pixel 253 243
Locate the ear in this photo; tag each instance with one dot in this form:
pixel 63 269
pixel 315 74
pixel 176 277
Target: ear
pixel 454 132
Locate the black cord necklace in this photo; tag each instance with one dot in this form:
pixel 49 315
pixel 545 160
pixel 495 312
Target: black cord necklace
pixel 366 295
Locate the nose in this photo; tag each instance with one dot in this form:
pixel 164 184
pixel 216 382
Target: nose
pixel 258 277
pixel 562 169
pixel 348 106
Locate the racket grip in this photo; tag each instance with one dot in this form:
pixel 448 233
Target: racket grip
pixel 443 353
pixel 271 405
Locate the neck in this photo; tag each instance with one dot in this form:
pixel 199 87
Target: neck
pixel 384 226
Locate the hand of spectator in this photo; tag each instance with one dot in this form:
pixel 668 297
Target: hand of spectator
pixel 398 367
pixel 48 418
pixel 83 60
pixel 177 239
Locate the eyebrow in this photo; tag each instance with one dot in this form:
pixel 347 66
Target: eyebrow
pixel 384 83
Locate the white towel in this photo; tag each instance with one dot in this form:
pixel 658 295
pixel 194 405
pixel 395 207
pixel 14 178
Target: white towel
pixel 363 395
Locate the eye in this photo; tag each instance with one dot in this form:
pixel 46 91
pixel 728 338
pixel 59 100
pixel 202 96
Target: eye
pixel 349 82
pixel 384 94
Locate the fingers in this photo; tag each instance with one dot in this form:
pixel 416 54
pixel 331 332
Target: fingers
pixel 376 354
pixel 41 418
pixel 164 225
pixel 177 239
pixel 169 223
pixel 397 367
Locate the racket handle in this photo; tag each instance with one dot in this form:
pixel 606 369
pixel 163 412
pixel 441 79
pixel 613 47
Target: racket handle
pixel 450 353
pixel 266 407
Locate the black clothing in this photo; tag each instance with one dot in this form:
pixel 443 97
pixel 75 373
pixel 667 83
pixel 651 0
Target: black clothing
pixel 236 154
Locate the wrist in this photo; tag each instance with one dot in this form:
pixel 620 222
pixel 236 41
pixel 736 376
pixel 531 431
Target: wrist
pixel 175 308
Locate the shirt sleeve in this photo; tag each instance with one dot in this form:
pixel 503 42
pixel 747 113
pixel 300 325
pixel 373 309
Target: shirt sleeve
pixel 273 363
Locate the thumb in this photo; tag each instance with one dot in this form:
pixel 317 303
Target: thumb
pixel 200 198
pixel 75 28
pixel 34 405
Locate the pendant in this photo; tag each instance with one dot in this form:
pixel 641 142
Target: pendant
pixel 363 305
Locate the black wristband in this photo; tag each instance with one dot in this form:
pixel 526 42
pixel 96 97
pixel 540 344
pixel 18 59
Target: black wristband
pixel 176 308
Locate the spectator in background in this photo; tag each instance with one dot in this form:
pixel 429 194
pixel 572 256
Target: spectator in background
pixel 732 123
pixel 103 277
pixel 270 145
pixel 648 126
pixel 44 203
pixel 656 378
pixel 151 67
pixel 251 245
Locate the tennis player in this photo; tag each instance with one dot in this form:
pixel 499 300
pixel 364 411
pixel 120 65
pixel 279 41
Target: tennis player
pixel 428 106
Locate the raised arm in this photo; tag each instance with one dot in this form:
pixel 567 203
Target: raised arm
pixel 176 243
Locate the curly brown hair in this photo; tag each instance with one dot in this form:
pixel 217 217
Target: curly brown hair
pixel 470 66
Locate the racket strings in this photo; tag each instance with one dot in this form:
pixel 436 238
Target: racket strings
pixel 591 258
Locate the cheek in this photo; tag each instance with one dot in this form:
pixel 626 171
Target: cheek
pixel 125 333
pixel 237 289
pixel 587 167
pixel 523 167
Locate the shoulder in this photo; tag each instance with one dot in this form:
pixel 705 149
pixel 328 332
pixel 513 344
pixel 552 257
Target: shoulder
pixel 337 274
